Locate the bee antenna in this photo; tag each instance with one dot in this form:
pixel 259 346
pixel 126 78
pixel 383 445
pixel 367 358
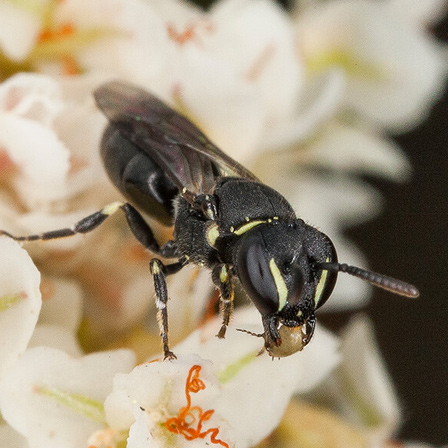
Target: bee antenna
pixel 258 335
pixel 388 283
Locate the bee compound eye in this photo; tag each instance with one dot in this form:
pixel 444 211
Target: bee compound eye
pixel 255 274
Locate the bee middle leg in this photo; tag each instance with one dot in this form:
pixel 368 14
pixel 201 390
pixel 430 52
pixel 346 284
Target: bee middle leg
pixel 222 278
pixel 159 273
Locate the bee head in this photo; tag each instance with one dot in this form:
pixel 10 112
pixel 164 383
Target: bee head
pixel 289 270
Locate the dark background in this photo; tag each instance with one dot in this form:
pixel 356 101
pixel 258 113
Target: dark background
pixel 413 334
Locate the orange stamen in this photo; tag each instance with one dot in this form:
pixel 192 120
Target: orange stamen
pixel 66 29
pixel 190 32
pixel 181 37
pixel 180 425
pixel 70 66
pixel 69 63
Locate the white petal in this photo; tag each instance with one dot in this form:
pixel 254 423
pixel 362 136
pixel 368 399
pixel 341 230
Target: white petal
pixel 38 415
pixel 367 372
pixel 346 148
pixel 19 281
pixel 139 434
pixel 321 98
pixel 138 34
pixel 33 96
pixel 42 159
pixel 395 70
pixel 225 107
pixel 257 39
pixel 178 12
pixel 19 28
pixel 157 387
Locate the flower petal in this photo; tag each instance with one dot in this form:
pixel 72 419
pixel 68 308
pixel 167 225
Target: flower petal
pixel 42 159
pixel 19 29
pixel 20 301
pixel 347 148
pixel 256 38
pixel 56 401
pixel 395 70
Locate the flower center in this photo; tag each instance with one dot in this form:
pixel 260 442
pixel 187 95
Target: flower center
pixel 194 415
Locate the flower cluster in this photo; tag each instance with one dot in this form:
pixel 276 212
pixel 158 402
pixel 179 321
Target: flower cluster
pixel 305 99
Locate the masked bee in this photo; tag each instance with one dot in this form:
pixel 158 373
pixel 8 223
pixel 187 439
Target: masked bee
pixel 224 219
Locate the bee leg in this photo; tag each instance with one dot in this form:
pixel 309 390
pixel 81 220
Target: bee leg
pixel 144 235
pixel 159 272
pixel 137 224
pixel 222 278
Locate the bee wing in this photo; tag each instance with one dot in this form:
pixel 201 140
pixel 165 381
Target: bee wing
pixel 187 156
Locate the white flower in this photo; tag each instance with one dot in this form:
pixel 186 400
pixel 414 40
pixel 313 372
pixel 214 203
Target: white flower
pixel 155 397
pixel 43 166
pixel 20 302
pixel 26 17
pixel 57 401
pixel 394 70
pixel 218 66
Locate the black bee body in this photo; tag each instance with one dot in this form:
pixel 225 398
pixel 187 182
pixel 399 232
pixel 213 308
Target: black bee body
pixel 224 219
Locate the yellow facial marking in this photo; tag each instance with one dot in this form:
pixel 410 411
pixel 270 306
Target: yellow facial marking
pixel 111 208
pixel 320 285
pixel 280 284
pixel 212 234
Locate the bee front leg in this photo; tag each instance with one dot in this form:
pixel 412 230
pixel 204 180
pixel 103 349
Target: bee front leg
pixel 159 271
pixel 222 278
